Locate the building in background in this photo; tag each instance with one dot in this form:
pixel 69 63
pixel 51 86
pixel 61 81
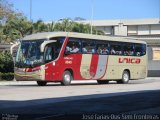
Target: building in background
pixel 139 29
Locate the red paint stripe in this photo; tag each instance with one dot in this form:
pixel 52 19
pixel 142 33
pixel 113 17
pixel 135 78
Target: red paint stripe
pixel 94 65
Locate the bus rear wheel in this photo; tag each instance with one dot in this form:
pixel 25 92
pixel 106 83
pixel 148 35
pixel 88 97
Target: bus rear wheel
pixel 41 83
pixel 67 77
pixel 125 77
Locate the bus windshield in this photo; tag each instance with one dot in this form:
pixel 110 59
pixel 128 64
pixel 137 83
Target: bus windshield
pixel 29 54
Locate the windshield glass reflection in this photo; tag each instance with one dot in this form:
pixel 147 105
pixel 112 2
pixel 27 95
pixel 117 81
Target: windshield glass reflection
pixel 29 54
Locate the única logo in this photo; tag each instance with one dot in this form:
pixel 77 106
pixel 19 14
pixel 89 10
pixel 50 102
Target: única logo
pixel 130 60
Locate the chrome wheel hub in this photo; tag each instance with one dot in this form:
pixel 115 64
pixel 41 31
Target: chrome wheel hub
pixel 67 78
pixel 125 77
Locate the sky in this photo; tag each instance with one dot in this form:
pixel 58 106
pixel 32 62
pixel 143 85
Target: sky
pixel 53 10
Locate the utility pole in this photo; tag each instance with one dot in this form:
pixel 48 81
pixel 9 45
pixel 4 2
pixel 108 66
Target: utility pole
pixel 31 10
pixel 159 10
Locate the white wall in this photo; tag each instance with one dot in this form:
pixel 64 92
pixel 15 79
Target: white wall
pixel 120 30
pixel 107 29
pixel 133 30
pixel 143 30
pixel 125 30
pixel 155 29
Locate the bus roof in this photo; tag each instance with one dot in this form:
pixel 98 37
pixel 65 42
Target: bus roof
pixel 48 35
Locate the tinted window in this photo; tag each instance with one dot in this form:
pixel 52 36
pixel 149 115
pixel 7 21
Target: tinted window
pixel 52 50
pixel 116 48
pixel 29 53
pixel 102 48
pixel 128 49
pixel 140 49
pixel 88 46
pixel 49 53
pixel 73 46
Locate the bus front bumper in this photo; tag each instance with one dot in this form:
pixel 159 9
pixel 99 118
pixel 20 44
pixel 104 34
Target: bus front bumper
pixel 22 75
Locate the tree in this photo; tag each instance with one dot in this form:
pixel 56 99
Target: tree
pixel 50 26
pixel 39 26
pixel 7 12
pixel 10 23
pixel 2 35
pixel 78 19
pixel 16 29
pixel 6 62
pixel 68 25
pixel 6 66
pixel 14 25
pixel 63 25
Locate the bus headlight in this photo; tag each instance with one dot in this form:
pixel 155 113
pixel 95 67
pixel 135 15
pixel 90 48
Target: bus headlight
pixel 54 63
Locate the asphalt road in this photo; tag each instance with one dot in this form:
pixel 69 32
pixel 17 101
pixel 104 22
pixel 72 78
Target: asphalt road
pixel 140 99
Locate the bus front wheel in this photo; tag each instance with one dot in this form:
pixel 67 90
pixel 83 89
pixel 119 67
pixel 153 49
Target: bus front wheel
pixel 125 77
pixel 67 77
pixel 41 83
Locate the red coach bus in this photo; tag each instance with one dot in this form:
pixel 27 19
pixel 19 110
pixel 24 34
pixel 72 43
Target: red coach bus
pixel 63 57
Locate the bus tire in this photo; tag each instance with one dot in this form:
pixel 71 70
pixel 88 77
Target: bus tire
pixel 67 77
pixel 102 81
pixel 125 77
pixel 41 83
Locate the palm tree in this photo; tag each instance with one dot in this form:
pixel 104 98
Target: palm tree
pixel 39 26
pixel 51 26
pixel 15 29
pixel 63 25
pixel 2 35
pixel 68 25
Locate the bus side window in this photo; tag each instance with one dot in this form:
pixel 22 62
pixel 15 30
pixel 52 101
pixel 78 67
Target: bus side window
pixel 88 47
pixel 73 46
pixel 49 53
pixel 102 48
pixel 113 52
pixel 84 50
pixel 116 49
pixel 143 49
pixel 128 49
pixel 140 49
